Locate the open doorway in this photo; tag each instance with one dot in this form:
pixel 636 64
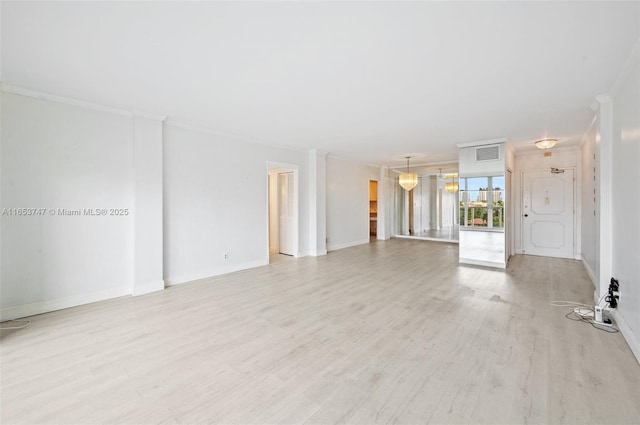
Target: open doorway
pixel 282 210
pixel 373 210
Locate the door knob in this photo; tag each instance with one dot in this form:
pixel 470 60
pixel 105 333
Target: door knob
pixel 526 215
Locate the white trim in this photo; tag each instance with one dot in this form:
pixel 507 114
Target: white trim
pixel 232 136
pixel 603 98
pixel 483 142
pixel 427 238
pixel 604 189
pixel 317 253
pixel 41 307
pixel 141 289
pixel 336 247
pixel 627 333
pixel 402 168
pixel 632 341
pixel 177 280
pixel 8 88
pixel 482 263
pixel 282 167
pixel 626 69
pixel 590 272
pixel 141 114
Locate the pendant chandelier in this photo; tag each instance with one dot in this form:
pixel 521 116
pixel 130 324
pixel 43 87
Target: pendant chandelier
pixel 452 186
pixel 408 180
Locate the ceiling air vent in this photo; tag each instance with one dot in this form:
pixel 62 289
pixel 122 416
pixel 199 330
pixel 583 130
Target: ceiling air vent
pixel 488 153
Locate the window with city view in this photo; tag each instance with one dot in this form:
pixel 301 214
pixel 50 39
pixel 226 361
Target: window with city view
pixel 482 202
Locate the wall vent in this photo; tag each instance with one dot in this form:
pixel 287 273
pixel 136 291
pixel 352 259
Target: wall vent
pixel 487 153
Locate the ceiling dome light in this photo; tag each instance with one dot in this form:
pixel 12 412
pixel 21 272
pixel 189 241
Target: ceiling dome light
pixel 546 143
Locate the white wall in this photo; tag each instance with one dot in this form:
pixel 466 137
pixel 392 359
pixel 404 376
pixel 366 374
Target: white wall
pixel 215 202
pixel 274 235
pixel 56 155
pixel 385 203
pixel 509 201
pixel 469 167
pixel 348 202
pixel 611 198
pixel 589 205
pixel 210 199
pixel 528 161
pixel 147 205
pixel 482 247
pixel 317 191
pixel 625 203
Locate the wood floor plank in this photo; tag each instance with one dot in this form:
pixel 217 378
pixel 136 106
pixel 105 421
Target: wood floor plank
pixel 392 332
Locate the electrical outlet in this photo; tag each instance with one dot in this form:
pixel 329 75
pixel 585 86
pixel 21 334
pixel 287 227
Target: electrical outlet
pixel 614 293
pixel 226 256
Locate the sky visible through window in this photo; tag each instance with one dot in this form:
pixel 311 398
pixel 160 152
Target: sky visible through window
pixel 475 183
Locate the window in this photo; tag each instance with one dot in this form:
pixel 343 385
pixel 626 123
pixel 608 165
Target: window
pixel 482 202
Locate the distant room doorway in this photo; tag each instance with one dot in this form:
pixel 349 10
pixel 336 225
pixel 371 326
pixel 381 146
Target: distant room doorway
pixel 373 209
pixel 283 210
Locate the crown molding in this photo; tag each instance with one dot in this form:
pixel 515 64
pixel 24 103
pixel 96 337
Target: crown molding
pixel 230 136
pixel 583 138
pixel 37 94
pixel 155 117
pixel 599 100
pixel 634 56
pixel 483 142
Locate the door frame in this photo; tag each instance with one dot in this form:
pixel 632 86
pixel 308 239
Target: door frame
pixel 276 168
pixel 576 252
pixel 509 215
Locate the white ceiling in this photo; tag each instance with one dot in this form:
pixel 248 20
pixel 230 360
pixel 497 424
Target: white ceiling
pixel 371 81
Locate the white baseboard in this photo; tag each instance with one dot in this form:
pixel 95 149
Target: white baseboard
pixel 590 272
pixel 318 253
pixel 176 280
pixel 482 263
pixel 627 333
pixel 632 340
pixel 141 289
pixel 26 310
pixel 335 247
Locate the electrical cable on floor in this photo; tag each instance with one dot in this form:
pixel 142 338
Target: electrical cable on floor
pixel 568 304
pixel 26 323
pixel 585 313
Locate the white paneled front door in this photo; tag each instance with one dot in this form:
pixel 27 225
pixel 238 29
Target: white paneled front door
pixel 548 213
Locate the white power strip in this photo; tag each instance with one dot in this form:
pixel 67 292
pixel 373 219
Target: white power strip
pixel 584 312
pixel 598 314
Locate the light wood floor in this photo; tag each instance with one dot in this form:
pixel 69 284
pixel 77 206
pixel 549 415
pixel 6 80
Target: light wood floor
pixel 388 332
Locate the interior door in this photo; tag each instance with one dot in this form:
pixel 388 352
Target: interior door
pixel 286 213
pixel 508 213
pixel 548 213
